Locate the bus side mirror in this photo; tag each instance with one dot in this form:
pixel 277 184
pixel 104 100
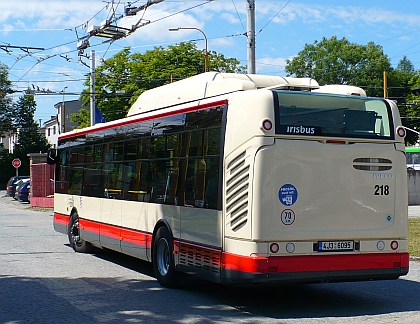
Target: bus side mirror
pixel 52 156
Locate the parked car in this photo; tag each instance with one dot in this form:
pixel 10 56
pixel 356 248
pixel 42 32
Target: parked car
pixel 17 184
pixel 22 192
pixel 11 186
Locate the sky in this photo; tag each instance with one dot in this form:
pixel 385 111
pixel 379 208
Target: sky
pixel 38 38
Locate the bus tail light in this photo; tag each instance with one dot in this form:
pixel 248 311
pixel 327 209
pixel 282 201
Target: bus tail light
pixel 335 142
pixel 394 245
pixel 266 125
pixel 274 248
pixel 401 131
pixel 290 247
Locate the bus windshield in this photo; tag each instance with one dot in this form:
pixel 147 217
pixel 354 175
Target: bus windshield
pixel 318 114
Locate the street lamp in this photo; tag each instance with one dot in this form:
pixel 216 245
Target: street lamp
pixel 63 116
pixel 206 54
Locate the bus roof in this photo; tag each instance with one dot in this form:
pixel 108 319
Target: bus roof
pixel 212 84
pixel 342 89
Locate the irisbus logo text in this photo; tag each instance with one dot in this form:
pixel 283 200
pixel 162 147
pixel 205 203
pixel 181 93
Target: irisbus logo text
pixel 300 130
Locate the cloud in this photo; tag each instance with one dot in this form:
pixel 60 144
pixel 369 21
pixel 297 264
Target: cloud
pixel 276 64
pixel 49 14
pixel 232 19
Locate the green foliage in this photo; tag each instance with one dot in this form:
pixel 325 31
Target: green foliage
pixel 29 140
pixel 414 236
pixel 6 166
pixel 5 102
pixel 82 118
pixel 337 61
pixel 6 125
pixel 123 77
pixel 399 89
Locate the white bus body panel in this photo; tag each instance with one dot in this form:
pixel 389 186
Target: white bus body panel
pixel 334 201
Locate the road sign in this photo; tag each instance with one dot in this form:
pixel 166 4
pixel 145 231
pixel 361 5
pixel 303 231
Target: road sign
pixel 16 163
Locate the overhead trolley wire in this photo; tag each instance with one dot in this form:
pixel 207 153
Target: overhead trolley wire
pixel 273 17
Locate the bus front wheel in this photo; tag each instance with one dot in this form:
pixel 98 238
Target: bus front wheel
pixel 76 242
pixel 163 258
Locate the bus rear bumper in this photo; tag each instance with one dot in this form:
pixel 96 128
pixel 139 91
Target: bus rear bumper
pixel 315 268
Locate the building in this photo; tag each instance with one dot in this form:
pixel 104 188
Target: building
pixel 61 123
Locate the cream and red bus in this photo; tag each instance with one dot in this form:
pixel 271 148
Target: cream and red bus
pixel 242 179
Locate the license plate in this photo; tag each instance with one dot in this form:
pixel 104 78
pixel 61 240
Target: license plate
pixel 336 246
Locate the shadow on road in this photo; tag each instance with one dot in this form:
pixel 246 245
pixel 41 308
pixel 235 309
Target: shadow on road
pixel 298 300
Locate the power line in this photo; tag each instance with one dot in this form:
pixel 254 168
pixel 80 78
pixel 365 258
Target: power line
pixel 239 17
pixel 273 17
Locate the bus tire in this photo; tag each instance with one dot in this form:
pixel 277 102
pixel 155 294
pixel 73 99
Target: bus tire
pixel 163 258
pixel 76 242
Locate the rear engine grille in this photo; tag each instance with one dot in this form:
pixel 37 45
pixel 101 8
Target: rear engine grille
pixel 372 164
pixel 237 186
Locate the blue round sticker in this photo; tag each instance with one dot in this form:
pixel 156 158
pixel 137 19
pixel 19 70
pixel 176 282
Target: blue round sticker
pixel 288 194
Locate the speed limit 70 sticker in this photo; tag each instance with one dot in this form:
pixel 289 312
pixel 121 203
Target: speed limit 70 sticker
pixel 288 217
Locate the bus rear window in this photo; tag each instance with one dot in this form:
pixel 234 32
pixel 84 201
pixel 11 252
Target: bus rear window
pixel 331 115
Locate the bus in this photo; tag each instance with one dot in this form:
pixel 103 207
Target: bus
pixel 242 179
pixel 413 157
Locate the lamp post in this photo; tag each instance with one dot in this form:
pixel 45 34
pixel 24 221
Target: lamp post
pixel 206 54
pixel 63 112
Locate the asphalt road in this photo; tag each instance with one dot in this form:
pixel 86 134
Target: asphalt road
pixel 43 281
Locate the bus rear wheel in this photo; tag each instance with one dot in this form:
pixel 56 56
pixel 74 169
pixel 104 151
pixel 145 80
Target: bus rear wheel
pixel 163 258
pixel 76 242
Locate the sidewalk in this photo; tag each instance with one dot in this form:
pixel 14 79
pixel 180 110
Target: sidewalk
pixel 414 211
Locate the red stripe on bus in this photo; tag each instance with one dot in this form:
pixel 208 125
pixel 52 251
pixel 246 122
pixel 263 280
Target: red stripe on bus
pixel 89 226
pixel 256 264
pixel 121 234
pixel 136 237
pixel 61 218
pixel 314 262
pixel 142 119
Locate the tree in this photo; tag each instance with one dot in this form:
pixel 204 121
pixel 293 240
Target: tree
pixel 29 140
pixel 5 102
pixel 410 112
pixel 399 89
pixel 5 124
pixel 337 61
pixel 123 77
pixel 6 166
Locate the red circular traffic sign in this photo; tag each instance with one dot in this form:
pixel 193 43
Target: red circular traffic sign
pixel 16 163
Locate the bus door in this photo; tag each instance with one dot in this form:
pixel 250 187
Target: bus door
pixel 110 225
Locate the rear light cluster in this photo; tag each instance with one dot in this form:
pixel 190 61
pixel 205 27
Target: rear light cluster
pixel 266 125
pixel 381 245
pixel 274 247
pixel 394 245
pixel 401 131
pixel 290 247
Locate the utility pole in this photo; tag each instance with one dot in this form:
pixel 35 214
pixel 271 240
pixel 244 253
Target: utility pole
pixel 92 88
pixel 385 84
pixel 250 34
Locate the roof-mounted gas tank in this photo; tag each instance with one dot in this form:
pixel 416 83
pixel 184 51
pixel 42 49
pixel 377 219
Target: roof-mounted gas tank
pixel 213 84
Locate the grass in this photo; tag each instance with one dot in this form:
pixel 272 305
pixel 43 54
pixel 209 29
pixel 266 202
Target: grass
pixel 414 236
